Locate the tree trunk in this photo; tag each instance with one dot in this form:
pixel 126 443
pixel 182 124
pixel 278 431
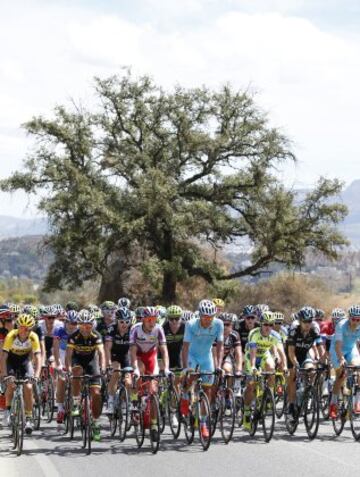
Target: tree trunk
pixel 112 282
pixel 169 288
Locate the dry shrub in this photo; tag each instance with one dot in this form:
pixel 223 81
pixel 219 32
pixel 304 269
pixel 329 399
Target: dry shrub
pixel 288 292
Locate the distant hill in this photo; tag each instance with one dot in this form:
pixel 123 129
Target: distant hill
pixel 17 227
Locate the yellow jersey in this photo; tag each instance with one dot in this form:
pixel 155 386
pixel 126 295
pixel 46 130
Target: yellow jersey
pixel 14 345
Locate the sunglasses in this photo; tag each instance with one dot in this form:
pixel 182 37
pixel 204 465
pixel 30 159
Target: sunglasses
pixel 123 322
pixel 50 317
pixel 267 324
pixel 7 320
pixel 207 317
pixel 174 319
pixel 355 319
pixel 278 322
pixel 250 318
pixel 150 318
pixel 227 324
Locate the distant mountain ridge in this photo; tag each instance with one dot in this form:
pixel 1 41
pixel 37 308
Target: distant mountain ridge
pixel 19 227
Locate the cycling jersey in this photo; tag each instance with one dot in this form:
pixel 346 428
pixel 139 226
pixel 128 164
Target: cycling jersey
pixel 349 340
pixel 120 346
pixel 244 331
pixel 84 346
pixel 263 344
pixel 174 344
pixel 49 335
pixel 147 341
pixel 201 339
pixel 105 329
pixel 62 335
pixel 302 343
pixel 14 346
pixel 3 333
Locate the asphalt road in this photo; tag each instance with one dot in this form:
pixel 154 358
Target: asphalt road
pixel 49 454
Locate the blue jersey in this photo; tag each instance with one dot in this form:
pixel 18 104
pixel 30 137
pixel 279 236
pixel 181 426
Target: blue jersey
pixel 201 339
pixel 343 333
pixel 61 334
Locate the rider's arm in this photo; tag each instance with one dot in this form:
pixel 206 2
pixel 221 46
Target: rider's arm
pixel 238 359
pixel 38 363
pixel 102 360
pixel 164 355
pixel 282 356
pixel 185 353
pixel 68 357
pixel 339 350
pixel 133 357
pixel 292 355
pixel 107 347
pixel 3 363
pixel 56 349
pixel 253 355
pixel 219 352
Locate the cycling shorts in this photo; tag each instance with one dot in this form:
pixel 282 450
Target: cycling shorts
pixel 21 368
pixel 149 360
pixel 350 357
pixel 90 365
pixel 122 358
pixel 205 365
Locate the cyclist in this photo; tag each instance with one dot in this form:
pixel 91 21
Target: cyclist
pixel 344 350
pixel 48 326
pixel 124 302
pixel 263 344
pixel 139 314
pixel 187 315
pixel 117 343
pixel 162 314
pixel 145 340
pixel 61 336
pixel 248 322
pixel 279 326
pixel 36 314
pixel 84 353
pixel 301 340
pixel 20 346
pixel 72 305
pixel 200 335
pixel 6 323
pixel 107 322
pixel 220 304
pixel 232 359
pixel 174 330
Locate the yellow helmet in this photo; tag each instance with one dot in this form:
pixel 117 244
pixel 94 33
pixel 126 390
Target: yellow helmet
pixel 25 320
pixel 219 302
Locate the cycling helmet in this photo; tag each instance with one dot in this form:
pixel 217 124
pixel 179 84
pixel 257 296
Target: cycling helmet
pixel 174 311
pixel 338 314
pixel 72 305
pixel 25 320
pixel 123 314
pixel 85 316
pixel 72 316
pixel 162 311
pixel 319 313
pixel 42 310
pixel 260 309
pixel 124 302
pixel 50 311
pixel 267 317
pixel 58 309
pixel 207 307
pixel 31 310
pixel 227 317
pixel 219 302
pixel 4 310
pixel 14 309
pixel 249 310
pixel 293 317
pixel 187 315
pixel 354 311
pixel 150 312
pixel 278 316
pixel 307 313
pixel 108 306
pixel 139 312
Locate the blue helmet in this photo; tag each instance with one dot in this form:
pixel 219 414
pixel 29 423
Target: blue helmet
pixel 307 313
pixel 72 316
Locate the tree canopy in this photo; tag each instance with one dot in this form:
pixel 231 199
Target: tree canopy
pixel 148 177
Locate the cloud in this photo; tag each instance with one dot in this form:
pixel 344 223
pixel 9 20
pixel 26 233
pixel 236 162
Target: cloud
pixel 307 78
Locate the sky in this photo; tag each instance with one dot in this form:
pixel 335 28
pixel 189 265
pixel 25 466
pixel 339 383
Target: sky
pixel 301 57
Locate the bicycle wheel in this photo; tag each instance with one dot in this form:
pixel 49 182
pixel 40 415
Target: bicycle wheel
pixel 254 418
pixel 36 408
pixel 292 422
pixel 155 424
pixel 354 419
pixel 267 411
pixel 339 422
pixel 311 412
pixel 172 405
pixel 19 424
pixel 204 413
pixel 279 395
pixel 123 412
pixel 239 409
pixel 324 394
pixel 137 418
pixel 215 412
pixel 227 415
pixel 86 424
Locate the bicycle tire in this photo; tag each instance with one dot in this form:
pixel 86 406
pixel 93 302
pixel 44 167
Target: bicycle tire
pixel 267 410
pixel 312 425
pixel 204 402
pixel 20 424
pixel 155 416
pixel 172 411
pixel 139 429
pixel 339 422
pixel 226 421
pixel 354 420
pixel 50 399
pixel 86 424
pixel 280 400
pixel 123 413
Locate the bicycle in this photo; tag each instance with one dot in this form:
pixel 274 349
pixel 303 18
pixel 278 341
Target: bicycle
pixel 199 408
pixel 262 409
pixel 120 419
pixel 145 413
pixel 86 419
pixel 346 404
pixel 17 413
pixel 224 408
pixel 169 403
pixel 47 393
pixel 280 393
pixel 307 402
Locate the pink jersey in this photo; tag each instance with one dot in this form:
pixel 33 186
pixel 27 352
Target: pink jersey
pixel 145 342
